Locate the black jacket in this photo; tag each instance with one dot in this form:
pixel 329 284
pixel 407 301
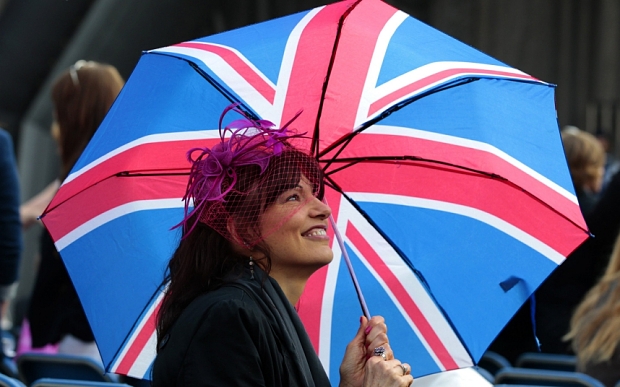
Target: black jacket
pixel 10 226
pixel 243 334
pixel 55 309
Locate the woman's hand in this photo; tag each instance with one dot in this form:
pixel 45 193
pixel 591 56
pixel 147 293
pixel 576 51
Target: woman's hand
pixel 30 211
pixel 386 373
pixel 362 368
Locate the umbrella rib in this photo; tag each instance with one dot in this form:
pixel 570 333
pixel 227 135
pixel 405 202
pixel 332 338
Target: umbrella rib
pixel 228 95
pixel 119 174
pixel 49 208
pixel 314 149
pixel 346 139
pixel 353 161
pixel 145 173
pixel 356 160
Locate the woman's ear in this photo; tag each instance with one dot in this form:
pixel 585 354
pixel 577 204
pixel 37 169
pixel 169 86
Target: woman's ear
pixel 239 245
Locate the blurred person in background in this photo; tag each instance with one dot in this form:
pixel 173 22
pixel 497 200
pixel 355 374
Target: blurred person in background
pixel 595 326
pixel 586 160
pixel 612 164
pixel 10 226
pixel 559 295
pixel 30 210
pixel 81 96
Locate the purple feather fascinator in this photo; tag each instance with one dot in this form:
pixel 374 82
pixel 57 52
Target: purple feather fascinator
pixel 213 175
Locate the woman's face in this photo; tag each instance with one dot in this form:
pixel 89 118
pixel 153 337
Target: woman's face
pixel 596 182
pixel 295 230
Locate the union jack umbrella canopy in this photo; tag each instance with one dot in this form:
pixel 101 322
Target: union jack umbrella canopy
pixel 445 168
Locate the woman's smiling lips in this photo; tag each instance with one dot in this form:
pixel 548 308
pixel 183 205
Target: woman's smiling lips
pixel 318 232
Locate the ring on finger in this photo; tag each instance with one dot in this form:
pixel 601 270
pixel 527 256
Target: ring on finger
pixel 380 351
pixel 405 369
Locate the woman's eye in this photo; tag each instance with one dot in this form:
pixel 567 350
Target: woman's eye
pixel 294 197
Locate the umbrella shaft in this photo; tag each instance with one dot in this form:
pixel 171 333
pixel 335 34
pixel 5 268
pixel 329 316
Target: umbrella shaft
pixel 356 284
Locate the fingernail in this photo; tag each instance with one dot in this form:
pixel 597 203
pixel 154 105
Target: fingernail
pixel 361 319
pixel 368 329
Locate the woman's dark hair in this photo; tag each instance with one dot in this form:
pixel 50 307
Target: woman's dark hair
pixel 204 259
pixel 82 96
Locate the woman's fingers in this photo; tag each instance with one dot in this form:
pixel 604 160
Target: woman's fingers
pixel 391 373
pixel 376 325
pixel 406 368
pixel 381 367
pixel 376 338
pixel 380 348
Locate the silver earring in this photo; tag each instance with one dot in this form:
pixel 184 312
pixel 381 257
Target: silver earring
pixel 251 267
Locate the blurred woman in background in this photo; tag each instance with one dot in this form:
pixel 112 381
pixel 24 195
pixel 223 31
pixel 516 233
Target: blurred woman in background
pixel 81 96
pixel 595 326
pixel 586 161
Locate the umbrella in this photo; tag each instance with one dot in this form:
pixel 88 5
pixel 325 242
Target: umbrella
pixel 445 169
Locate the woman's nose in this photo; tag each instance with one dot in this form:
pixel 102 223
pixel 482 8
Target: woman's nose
pixel 320 209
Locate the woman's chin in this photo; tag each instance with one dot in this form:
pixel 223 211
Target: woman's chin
pixel 324 259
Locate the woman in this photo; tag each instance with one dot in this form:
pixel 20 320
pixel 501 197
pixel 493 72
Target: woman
pixel 81 96
pixel 255 235
pixel 10 228
pixel 559 295
pixel 595 326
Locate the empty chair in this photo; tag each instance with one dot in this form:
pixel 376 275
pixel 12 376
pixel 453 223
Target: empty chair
pixel 547 361
pixel 50 382
pixel 530 376
pixel 7 381
pixel 136 382
pixel 8 367
pixel 34 366
pixel 518 385
pixel 493 362
pixel 485 374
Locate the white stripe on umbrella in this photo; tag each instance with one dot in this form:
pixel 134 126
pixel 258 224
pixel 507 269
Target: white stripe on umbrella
pixel 472 144
pixel 469 212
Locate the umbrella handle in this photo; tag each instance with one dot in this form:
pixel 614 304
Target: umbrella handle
pixel 356 284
